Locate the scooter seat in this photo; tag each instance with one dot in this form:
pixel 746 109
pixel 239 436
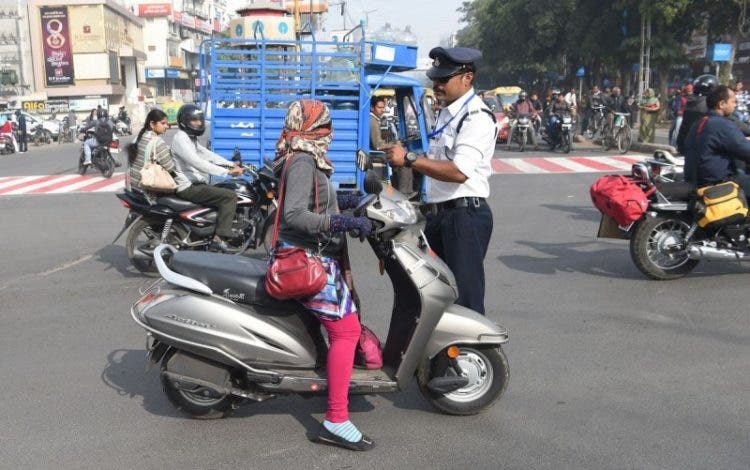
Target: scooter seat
pixel 238 278
pixel 176 204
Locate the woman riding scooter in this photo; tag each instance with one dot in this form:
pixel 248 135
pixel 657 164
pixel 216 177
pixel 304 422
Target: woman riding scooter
pixel 301 151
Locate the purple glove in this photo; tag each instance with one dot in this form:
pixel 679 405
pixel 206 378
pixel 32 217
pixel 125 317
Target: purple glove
pixel 348 200
pixel 344 223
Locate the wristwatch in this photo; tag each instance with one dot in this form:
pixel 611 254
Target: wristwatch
pixel 409 159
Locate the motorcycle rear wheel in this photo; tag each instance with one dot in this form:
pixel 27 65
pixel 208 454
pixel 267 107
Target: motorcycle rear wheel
pixel 624 139
pixel 488 372
pixel 201 404
pixel 522 141
pixel 108 166
pixel 650 248
pixel 140 244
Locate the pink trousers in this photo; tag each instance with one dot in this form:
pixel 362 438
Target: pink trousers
pixel 343 336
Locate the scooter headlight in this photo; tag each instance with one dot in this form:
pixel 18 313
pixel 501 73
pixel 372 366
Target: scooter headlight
pixel 403 213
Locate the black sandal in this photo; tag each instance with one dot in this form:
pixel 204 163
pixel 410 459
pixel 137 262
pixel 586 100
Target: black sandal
pixel 327 437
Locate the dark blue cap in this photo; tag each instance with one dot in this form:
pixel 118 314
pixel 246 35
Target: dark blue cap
pixel 450 60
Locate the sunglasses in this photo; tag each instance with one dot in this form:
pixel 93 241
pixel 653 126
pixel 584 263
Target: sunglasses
pixel 445 80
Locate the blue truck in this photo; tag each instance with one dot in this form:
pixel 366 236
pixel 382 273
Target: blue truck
pixel 247 85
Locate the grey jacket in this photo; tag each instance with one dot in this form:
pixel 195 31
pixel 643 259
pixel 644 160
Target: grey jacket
pixel 195 161
pixel 300 224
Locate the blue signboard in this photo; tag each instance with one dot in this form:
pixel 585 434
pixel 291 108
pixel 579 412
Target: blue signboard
pixel 172 73
pixel 720 52
pixel 580 73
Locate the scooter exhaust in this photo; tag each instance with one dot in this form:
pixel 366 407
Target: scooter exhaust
pixel 710 253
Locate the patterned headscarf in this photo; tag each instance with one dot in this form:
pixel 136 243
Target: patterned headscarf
pixel 307 128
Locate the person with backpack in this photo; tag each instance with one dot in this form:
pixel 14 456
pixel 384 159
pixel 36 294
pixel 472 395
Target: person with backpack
pixel 103 132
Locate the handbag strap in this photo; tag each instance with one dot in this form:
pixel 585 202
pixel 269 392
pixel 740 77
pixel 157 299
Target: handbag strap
pixel 282 191
pixel 149 153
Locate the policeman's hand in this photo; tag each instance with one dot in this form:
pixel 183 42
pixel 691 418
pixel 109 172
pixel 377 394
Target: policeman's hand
pixel 396 154
pixel 235 171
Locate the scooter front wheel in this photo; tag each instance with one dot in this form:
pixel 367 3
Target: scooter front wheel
pixel 488 373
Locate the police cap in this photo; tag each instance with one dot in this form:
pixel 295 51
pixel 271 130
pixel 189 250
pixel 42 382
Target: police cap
pixel 448 61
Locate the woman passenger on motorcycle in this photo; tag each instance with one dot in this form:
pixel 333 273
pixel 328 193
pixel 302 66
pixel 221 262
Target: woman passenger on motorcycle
pixel 301 152
pixel 149 143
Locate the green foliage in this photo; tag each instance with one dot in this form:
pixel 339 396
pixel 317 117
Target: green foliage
pixel 525 39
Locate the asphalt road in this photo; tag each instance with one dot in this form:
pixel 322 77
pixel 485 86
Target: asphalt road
pixel 608 370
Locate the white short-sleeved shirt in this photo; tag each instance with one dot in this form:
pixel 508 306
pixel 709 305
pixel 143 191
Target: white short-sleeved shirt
pixel 471 150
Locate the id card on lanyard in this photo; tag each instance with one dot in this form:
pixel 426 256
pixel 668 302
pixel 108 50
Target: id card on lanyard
pixel 437 137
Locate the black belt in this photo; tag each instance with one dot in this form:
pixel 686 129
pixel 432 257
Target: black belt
pixel 433 209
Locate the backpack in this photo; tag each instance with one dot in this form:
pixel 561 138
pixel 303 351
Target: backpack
pixel 103 133
pixel 620 198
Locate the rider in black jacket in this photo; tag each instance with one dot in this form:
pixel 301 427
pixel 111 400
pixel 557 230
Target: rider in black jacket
pixel 695 107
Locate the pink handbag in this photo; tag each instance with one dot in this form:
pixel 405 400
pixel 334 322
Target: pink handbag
pixel 369 353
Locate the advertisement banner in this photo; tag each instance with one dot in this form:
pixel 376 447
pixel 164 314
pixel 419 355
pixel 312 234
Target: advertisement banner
pixel 154 9
pixel 58 59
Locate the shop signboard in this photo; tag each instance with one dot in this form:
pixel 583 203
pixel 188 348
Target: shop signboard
pixel 152 10
pixel 58 58
pixel 34 106
pixel 172 73
pixel 87 103
pixel 154 73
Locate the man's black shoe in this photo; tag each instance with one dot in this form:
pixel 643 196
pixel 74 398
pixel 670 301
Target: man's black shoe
pixel 327 437
pixel 219 245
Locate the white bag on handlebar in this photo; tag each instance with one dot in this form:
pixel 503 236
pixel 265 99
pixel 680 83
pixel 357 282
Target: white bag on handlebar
pixel 153 176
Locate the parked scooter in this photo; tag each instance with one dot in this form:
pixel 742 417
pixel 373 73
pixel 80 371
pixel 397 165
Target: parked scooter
pixel 221 339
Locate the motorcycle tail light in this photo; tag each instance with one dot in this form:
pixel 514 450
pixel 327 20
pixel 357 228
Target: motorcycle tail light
pixel 114 144
pixel 125 204
pixel 270 195
pixel 656 170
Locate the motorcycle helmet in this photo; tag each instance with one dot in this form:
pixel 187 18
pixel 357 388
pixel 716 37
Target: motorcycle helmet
pixel 102 113
pixel 186 115
pixel 523 95
pixel 555 92
pixel 704 84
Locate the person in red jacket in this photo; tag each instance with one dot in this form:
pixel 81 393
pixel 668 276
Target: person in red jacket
pixel 523 106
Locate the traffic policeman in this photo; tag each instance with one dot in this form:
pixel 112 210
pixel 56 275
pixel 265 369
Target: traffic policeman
pixel 458 167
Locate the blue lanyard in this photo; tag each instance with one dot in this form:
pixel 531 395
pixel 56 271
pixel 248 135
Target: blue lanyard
pixel 439 131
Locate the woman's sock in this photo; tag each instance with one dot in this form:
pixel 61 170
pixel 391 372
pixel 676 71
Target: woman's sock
pixel 346 430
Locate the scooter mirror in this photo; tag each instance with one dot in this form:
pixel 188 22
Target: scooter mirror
pixel 373 185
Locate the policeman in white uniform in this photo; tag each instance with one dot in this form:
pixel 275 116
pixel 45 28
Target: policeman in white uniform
pixel 458 167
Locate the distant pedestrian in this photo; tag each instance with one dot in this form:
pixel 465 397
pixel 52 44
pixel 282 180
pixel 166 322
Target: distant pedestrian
pixel 649 107
pixel 22 134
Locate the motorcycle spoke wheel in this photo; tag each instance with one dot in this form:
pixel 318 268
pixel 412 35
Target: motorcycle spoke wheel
pixel 566 143
pixel 654 248
pixel 108 167
pixel 624 139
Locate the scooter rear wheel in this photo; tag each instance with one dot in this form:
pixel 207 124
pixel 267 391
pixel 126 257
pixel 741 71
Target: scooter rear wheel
pixel 200 403
pixel 488 373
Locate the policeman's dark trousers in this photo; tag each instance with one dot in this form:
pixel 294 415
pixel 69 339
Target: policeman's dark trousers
pixel 223 199
pixel 460 237
pixel 23 145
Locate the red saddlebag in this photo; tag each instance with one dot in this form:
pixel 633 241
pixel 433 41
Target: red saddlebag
pixel 620 198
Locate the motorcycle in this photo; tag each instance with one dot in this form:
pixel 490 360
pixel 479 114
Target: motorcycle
pixel 66 134
pixel 559 132
pixel 666 242
pixel 521 128
pixel 101 156
pixel 221 340
pixel 188 226
pixel 122 126
pixel 39 135
pixel 6 144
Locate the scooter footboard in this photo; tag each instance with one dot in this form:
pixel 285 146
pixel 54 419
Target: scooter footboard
pixel 460 325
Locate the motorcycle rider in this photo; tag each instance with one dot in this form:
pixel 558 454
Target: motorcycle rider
pixel 615 103
pixel 714 143
pixel 554 111
pixel 103 132
pixel 198 163
pixel 695 107
pixel 523 106
pixel 122 115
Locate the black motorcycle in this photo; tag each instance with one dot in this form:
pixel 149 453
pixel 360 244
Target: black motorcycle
pixel 189 226
pixel 101 156
pixel 559 133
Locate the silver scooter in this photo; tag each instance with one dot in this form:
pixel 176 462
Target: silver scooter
pixel 222 340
